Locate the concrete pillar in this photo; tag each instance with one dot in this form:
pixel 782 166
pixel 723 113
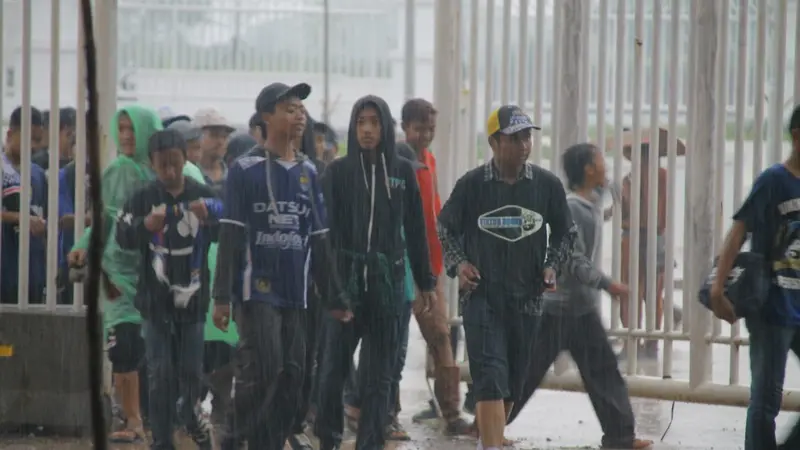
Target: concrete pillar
pixel 701 172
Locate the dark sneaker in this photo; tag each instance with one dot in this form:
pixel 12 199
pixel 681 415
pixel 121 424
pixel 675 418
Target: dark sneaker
pixel 300 442
pixel 458 427
pixel 396 432
pixel 425 415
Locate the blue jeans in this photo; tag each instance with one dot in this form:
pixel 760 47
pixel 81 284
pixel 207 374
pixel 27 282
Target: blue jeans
pixel 174 351
pixel 769 350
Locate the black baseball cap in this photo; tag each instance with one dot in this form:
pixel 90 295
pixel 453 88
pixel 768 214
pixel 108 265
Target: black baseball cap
pixel 509 119
pixel 276 92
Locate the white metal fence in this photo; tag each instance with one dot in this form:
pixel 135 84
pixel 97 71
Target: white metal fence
pixel 713 69
pixel 614 59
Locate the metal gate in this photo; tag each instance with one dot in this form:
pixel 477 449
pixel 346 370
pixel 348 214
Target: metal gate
pixel 718 76
pixel 43 345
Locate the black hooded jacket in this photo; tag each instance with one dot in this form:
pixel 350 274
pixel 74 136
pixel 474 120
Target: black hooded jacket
pixel 366 234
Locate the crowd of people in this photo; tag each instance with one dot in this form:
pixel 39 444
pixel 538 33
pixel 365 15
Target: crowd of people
pixel 250 265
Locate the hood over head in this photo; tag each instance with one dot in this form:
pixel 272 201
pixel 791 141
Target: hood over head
pixel 145 122
pixel 386 146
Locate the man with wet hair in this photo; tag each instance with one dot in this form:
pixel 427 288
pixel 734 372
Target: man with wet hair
pixel 571 320
pixel 12 207
pixel 768 218
pixel 275 214
pixel 494 239
pixel 418 120
pixel 66 139
pixel 171 222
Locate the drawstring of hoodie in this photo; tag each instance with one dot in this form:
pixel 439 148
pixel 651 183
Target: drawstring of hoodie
pixel 371 188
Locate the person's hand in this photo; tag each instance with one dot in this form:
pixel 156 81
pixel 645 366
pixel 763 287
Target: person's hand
pixel 38 226
pixel 222 316
pixel 154 222
pixel 549 276
pixel 342 315
pixel 468 277
pixel 77 258
pixel 618 289
pixel 721 306
pixel 198 207
pixel 427 300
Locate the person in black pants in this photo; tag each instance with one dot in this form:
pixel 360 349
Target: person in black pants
pixel 371 193
pixel 274 212
pixel 571 318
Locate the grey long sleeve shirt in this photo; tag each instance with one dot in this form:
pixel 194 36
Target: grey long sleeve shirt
pixel 577 289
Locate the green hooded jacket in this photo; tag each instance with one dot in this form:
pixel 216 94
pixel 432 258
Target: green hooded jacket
pixel 121 178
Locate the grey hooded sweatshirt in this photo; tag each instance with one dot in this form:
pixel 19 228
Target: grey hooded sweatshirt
pixel 577 288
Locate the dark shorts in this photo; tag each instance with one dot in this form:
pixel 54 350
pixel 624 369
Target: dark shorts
pixel 125 347
pixel 499 336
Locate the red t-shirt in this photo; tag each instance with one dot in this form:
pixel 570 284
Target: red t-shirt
pixel 431 206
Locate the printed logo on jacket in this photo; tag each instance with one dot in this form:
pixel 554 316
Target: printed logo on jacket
pixel 510 223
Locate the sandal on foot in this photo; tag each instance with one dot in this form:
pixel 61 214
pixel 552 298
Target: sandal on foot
pixel 127 436
pixel 351 416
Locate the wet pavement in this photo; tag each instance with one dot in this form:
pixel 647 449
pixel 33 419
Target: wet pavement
pixel 552 419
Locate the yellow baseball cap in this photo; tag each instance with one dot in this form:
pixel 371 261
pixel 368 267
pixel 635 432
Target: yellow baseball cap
pixel 508 119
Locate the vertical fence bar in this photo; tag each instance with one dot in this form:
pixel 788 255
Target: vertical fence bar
pixel 474 28
pixel 719 138
pixel 410 66
pixel 687 209
pixel 505 54
pixel 538 80
pixel 522 57
pixel 701 197
pixel 326 59
pixel 619 117
pixel 569 84
pixel 672 151
pixel 775 127
pixel 636 188
pixel 653 169
pixel 585 79
pixel 760 82
pixel 488 90
pixel 797 54
pixel 555 96
pixel 602 50
pixel 54 144
pixel 738 158
pixel 25 160
pixel 80 156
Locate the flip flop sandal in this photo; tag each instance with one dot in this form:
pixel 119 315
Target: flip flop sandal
pixel 126 436
pixel 396 433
